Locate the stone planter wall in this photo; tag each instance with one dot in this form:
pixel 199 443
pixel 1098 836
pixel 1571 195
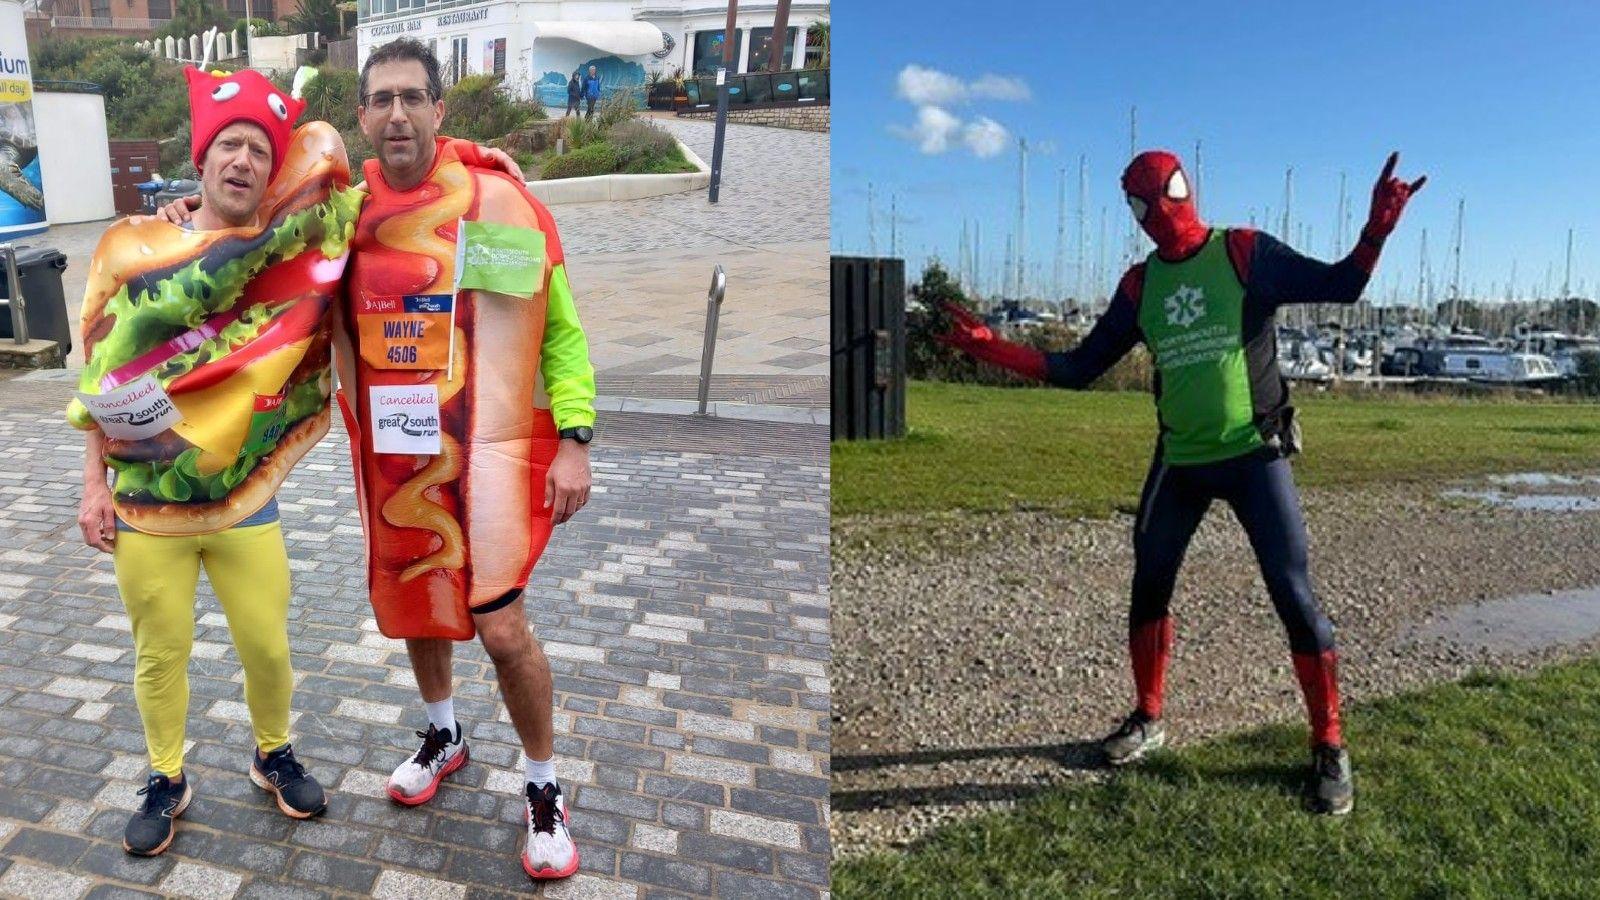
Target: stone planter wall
pixel 801 118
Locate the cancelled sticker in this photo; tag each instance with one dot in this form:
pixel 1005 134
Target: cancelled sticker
pixel 139 409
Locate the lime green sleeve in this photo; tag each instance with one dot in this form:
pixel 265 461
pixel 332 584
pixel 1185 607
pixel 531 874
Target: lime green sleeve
pixel 564 358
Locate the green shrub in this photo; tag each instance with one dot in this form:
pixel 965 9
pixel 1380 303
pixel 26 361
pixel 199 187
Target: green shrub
pixel 593 159
pixel 643 148
pixel 479 108
pixel 620 107
pixel 581 132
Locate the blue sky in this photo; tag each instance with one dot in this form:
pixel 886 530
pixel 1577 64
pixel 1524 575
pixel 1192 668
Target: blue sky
pixel 1498 105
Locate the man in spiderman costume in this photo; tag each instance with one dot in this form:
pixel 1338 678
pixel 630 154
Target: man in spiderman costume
pixel 1203 303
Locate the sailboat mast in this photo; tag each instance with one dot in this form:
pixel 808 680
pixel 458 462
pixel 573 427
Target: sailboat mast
pixel 1061 235
pixel 1022 217
pixel 1077 292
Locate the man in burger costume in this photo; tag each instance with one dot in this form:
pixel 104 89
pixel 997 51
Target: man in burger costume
pixel 1203 303
pixel 206 379
pixel 465 457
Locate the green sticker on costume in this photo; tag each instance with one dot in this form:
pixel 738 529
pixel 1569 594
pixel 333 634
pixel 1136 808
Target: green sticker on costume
pixel 505 259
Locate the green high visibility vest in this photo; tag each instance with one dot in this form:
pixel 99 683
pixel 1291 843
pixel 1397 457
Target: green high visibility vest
pixel 1192 316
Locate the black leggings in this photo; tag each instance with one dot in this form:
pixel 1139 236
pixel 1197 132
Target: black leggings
pixel 1261 491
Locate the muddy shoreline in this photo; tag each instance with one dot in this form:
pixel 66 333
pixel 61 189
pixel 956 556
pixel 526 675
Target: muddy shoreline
pixel 974 665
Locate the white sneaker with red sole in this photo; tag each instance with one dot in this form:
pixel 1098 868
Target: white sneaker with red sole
pixel 416 780
pixel 549 852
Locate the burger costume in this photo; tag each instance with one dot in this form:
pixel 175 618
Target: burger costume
pixel 457 304
pixel 1203 303
pixel 207 370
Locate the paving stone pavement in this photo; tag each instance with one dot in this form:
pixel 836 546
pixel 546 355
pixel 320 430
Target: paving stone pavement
pixel 685 614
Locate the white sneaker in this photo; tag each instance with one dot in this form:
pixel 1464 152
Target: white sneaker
pixel 416 779
pixel 550 852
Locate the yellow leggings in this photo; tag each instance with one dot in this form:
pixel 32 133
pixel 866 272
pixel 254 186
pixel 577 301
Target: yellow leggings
pixel 249 570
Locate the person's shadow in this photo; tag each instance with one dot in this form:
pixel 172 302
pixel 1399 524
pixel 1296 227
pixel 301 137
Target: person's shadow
pixel 1074 756
pixel 1270 766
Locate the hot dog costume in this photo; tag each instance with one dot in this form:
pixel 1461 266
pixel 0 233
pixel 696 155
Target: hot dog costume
pixel 457 528
pixel 208 371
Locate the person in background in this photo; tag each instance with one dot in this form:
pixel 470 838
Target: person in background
pixel 574 91
pixel 591 90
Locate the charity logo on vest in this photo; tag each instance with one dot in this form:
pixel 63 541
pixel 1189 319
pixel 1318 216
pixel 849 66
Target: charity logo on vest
pixel 1185 306
pixel 504 257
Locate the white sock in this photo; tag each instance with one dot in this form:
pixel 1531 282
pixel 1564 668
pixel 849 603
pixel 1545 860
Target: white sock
pixel 539 771
pixel 442 715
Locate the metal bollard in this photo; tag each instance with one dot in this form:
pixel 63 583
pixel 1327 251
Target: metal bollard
pixel 19 309
pixel 719 285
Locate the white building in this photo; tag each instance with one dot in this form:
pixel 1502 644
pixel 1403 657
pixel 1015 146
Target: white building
pixel 538 44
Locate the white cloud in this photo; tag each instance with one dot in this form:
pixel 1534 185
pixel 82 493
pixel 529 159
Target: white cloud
pixel 985 137
pixel 1000 87
pixel 937 130
pixel 933 130
pixel 929 87
pixel 925 86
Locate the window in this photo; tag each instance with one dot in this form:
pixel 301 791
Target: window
pixel 161 9
pixel 458 58
pixel 708 51
pixel 494 56
pixel 100 9
pixel 761 49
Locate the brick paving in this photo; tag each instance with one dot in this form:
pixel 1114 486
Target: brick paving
pixel 685 614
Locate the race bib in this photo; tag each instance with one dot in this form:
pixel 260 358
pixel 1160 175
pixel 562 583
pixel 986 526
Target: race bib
pixel 139 409
pixel 266 424
pixel 409 332
pixel 405 419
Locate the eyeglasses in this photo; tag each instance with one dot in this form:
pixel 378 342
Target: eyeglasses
pixel 412 99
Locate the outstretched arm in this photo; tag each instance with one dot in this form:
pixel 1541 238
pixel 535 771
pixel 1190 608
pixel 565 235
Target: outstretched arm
pixel 1276 274
pixel 1112 336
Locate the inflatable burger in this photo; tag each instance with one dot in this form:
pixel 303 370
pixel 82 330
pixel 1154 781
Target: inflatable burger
pixel 207 352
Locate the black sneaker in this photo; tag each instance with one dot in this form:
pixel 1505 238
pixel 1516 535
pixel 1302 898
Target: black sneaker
pixel 299 795
pixel 150 830
pixel 1331 788
pixel 1137 735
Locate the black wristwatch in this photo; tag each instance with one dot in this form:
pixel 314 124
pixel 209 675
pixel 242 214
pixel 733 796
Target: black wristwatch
pixel 583 434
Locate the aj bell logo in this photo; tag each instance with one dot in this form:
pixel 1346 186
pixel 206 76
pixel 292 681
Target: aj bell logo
pixel 1186 306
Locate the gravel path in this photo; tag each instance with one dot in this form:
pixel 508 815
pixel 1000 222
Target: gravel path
pixel 977 664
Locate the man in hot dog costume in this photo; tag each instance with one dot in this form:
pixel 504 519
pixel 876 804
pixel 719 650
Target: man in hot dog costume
pixel 206 379
pixel 1204 303
pixel 457 304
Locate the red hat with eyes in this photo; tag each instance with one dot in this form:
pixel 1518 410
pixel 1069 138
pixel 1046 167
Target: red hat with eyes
pixel 1158 192
pixel 217 101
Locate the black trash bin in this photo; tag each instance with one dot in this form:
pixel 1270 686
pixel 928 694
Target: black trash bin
pixel 39 269
pixel 868 378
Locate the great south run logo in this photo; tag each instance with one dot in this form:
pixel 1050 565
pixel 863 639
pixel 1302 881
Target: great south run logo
pixel 405 423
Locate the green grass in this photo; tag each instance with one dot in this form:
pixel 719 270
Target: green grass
pixel 1487 788
pixel 973 448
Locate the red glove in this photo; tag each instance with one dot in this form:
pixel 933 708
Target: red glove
pixel 969 335
pixel 1389 198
